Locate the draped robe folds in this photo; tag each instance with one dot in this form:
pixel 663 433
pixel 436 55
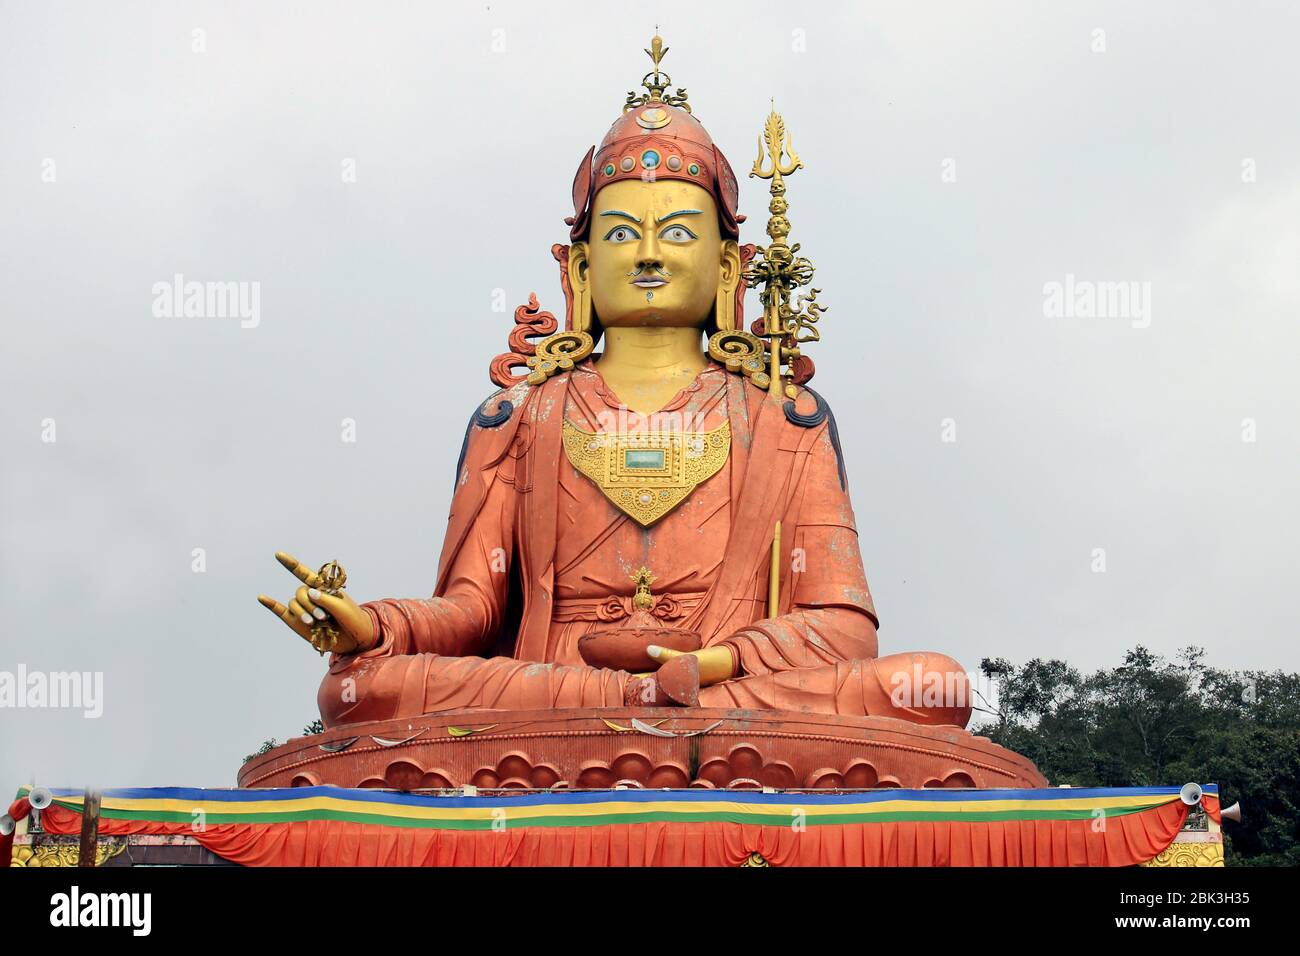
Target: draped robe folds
pixel 535 556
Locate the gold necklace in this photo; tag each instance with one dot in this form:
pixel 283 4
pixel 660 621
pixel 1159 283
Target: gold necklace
pixel 647 474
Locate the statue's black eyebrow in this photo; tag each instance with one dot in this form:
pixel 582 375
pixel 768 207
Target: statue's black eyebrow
pixel 619 212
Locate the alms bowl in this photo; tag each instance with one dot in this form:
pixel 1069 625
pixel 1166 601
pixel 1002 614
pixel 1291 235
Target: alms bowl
pixel 624 648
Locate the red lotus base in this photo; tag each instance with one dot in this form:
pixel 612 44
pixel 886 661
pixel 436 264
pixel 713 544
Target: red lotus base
pixel 641 747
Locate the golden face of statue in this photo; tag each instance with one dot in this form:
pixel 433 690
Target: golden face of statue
pixel 655 256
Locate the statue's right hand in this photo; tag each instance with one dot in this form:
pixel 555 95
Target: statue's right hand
pixel 310 606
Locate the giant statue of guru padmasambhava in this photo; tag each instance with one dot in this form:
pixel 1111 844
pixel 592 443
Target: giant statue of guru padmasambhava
pixel 665 522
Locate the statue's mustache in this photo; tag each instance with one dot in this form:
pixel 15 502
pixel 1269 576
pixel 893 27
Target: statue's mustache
pixel 652 270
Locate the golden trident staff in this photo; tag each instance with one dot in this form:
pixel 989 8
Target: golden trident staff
pixel 777 268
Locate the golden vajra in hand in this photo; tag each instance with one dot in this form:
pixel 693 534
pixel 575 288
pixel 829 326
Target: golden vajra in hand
pixel 320 611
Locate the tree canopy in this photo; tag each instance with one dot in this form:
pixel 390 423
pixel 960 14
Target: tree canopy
pixel 1157 722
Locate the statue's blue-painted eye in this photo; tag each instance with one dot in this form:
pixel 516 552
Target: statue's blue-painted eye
pixel 677 233
pixel 622 234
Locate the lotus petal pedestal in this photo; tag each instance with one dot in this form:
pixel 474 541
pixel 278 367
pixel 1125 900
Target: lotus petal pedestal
pixel 640 747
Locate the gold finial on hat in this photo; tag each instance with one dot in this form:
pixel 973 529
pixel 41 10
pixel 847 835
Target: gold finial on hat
pixel 656 82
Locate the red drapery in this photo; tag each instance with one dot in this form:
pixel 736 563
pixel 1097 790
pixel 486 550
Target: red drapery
pixel 1114 841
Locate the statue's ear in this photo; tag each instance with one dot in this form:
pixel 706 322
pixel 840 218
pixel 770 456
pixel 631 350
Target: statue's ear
pixel 728 281
pixel 580 283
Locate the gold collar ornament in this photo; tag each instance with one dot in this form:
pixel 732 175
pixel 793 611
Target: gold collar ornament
pixel 647 474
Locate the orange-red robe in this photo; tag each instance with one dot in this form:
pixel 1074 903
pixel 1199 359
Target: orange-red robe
pixel 536 556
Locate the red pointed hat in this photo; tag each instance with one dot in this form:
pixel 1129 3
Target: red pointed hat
pixel 657 137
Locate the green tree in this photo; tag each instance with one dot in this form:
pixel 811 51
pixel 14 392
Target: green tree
pixel 1152 722
pixel 267 747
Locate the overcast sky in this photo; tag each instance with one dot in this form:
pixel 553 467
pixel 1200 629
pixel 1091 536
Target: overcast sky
pixel 960 159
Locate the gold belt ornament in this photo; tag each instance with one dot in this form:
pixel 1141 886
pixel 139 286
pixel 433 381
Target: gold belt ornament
pixel 647 474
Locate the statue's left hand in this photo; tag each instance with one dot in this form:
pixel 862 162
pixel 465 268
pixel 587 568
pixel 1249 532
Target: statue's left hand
pixel 716 664
pixel 311 605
